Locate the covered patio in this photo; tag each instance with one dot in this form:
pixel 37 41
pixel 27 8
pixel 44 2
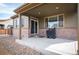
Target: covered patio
pixel 35 19
pixel 42 17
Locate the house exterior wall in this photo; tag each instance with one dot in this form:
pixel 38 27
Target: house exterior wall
pixel 66 33
pixel 42 30
pixel 16 27
pixel 69 30
pixel 70 20
pixel 24 27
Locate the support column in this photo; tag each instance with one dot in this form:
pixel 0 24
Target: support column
pixel 78 29
pixel 19 15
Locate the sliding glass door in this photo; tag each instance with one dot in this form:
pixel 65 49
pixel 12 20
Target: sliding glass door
pixel 33 27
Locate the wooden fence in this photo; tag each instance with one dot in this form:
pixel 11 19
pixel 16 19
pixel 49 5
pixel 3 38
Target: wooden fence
pixel 6 31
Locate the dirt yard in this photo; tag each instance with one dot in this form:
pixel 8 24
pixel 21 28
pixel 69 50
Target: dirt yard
pixel 8 46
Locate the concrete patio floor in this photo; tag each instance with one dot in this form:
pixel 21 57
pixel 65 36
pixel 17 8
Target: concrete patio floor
pixel 51 46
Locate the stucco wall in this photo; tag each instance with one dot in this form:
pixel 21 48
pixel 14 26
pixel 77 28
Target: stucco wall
pixel 41 23
pixel 70 19
pixel 42 30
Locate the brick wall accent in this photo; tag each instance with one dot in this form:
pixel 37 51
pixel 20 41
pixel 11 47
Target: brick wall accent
pixel 66 33
pixel 42 32
pixel 24 33
pixel 16 33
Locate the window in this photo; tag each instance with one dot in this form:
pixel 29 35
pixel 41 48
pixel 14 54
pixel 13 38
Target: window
pixel 56 21
pixel 52 22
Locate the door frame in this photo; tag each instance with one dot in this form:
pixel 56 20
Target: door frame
pixel 35 20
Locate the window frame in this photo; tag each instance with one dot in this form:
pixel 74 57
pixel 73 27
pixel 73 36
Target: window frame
pixel 52 17
pixel 63 20
pixel 57 19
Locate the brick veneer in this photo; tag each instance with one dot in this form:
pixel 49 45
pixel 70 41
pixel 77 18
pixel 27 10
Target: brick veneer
pixel 24 33
pixel 16 33
pixel 66 33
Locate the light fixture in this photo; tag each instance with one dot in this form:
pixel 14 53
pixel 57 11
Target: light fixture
pixel 39 13
pixel 57 8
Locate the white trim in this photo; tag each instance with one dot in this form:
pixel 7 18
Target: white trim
pixel 63 20
pixel 54 15
pixel 57 20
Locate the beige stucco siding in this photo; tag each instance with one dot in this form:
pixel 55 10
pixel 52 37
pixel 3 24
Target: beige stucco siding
pixel 70 19
pixel 41 23
pixel 42 30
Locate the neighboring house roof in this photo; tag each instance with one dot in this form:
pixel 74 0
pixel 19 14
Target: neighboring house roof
pixel 4 20
pixel 14 16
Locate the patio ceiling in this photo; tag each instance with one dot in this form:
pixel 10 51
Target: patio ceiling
pixel 51 9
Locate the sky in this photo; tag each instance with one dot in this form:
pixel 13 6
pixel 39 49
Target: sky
pixel 6 9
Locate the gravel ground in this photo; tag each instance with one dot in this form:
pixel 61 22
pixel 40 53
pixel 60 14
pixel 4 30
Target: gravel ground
pixel 8 46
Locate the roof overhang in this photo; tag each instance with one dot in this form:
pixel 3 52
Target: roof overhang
pixel 46 9
pixel 26 7
pixel 4 20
